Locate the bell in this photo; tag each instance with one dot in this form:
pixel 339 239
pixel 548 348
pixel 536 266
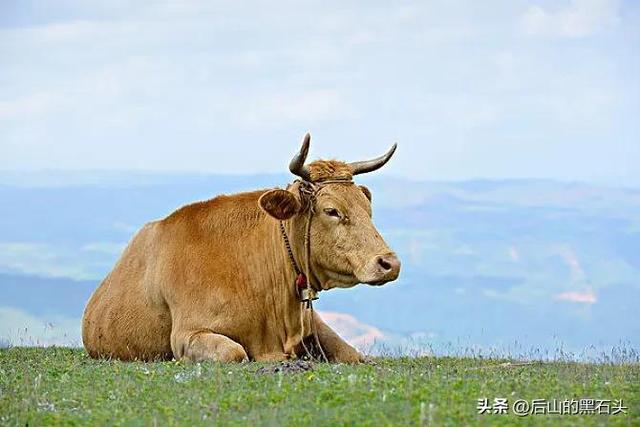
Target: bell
pixel 301 281
pixel 308 294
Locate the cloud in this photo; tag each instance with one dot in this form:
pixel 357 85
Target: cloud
pixel 49 260
pixel 278 110
pixel 28 106
pixel 514 253
pixel 575 267
pixel 581 18
pixel 352 330
pixel 20 328
pixel 204 86
pixel 587 297
pixel 108 248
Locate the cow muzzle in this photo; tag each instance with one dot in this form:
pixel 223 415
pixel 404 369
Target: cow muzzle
pixel 381 269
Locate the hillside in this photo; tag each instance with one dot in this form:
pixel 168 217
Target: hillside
pixel 63 386
pixel 561 256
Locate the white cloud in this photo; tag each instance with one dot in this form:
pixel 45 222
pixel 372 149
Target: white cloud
pixel 108 248
pixel 50 260
pixel 28 106
pixel 581 18
pixel 569 256
pixel 358 334
pixel 279 110
pixel 20 328
pixel 182 85
pixel 514 253
pixel 586 297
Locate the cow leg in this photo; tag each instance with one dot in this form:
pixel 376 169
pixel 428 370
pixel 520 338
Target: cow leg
pixel 336 349
pixel 206 345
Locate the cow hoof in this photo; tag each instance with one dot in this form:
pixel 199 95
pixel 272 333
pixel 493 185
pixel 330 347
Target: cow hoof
pixel 234 353
pixel 350 358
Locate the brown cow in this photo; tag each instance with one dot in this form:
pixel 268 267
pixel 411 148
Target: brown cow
pixel 214 280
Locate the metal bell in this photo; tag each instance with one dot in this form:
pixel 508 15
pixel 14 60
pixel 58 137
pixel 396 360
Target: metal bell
pixel 308 294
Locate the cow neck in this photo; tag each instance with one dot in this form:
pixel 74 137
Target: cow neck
pixel 305 293
pixel 304 277
pixel 304 283
pixel 304 289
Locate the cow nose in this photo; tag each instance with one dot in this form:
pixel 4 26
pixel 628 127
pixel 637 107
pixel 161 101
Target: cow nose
pixel 389 265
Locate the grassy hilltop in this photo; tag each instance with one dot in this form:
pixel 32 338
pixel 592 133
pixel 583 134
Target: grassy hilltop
pixel 41 386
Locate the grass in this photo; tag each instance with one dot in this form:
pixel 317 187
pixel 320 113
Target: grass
pixel 42 386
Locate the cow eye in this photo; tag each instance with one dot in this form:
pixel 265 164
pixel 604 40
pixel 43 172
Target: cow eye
pixel 332 212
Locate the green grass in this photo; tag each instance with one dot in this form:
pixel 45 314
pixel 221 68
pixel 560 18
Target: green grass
pixel 41 386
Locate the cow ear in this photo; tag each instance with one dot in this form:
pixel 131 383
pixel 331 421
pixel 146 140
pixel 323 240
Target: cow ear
pixel 366 191
pixel 280 204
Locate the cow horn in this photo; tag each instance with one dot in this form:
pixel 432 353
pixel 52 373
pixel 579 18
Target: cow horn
pixel 297 166
pixel 373 164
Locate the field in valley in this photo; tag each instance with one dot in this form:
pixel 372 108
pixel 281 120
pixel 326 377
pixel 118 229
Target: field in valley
pixel 42 386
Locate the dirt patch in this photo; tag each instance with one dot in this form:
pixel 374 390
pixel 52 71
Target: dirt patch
pixel 288 367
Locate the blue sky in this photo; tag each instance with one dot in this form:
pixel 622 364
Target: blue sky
pixel 468 89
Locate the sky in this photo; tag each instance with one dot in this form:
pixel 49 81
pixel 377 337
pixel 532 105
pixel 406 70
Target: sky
pixel 468 89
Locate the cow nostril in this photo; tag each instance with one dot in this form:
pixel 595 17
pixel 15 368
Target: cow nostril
pixel 383 268
pixel 386 265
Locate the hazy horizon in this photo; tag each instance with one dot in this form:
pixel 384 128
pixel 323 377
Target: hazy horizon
pixel 76 175
pixel 561 258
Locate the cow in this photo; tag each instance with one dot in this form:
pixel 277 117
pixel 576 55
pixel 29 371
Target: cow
pixel 233 278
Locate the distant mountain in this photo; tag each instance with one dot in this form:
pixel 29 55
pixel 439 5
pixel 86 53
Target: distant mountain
pixel 45 296
pixel 494 264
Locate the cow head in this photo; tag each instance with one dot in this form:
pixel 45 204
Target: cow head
pixel 345 246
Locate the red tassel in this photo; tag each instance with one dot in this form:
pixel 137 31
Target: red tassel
pixel 301 281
